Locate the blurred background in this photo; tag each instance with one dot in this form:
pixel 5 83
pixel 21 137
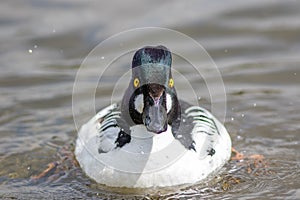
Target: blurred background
pixel 255 44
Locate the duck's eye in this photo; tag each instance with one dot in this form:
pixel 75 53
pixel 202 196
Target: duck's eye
pixel 136 82
pixel 171 83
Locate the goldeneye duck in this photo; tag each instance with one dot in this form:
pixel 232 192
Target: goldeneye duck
pixel 152 139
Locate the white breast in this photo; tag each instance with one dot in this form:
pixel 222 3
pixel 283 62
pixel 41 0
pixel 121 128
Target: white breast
pixel 149 160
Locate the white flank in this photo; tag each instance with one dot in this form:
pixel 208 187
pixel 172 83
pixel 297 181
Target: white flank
pixel 150 160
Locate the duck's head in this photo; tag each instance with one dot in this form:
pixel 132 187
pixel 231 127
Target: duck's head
pixel 151 95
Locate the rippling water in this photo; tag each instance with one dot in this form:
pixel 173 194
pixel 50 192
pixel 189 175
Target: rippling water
pixel 255 44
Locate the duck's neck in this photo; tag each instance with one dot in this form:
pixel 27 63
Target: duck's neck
pixel 128 111
pixel 133 117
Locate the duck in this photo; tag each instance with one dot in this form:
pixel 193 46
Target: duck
pixel 151 138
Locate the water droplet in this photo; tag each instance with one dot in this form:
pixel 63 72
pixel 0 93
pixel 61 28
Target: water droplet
pixel 243 115
pixel 35 46
pixel 183 120
pixel 102 57
pixel 30 51
pixel 199 98
pixel 232 119
pixel 142 152
pixel 28 168
pixel 254 104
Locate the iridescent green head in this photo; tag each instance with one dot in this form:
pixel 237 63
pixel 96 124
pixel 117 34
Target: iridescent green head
pixel 152 65
pixel 151 98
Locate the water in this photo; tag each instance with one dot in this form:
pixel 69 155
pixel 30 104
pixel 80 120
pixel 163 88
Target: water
pixel 255 45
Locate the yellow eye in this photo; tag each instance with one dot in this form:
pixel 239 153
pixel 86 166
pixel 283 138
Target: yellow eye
pixel 136 82
pixel 171 83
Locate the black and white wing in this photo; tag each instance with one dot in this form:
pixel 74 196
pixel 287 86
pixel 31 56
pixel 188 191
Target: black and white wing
pixel 198 130
pixel 113 131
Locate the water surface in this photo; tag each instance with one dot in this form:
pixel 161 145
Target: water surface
pixel 255 45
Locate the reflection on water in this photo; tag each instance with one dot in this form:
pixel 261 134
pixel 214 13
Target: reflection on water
pixel 254 44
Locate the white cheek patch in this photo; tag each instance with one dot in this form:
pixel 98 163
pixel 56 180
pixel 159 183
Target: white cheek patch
pixel 169 103
pixel 139 103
